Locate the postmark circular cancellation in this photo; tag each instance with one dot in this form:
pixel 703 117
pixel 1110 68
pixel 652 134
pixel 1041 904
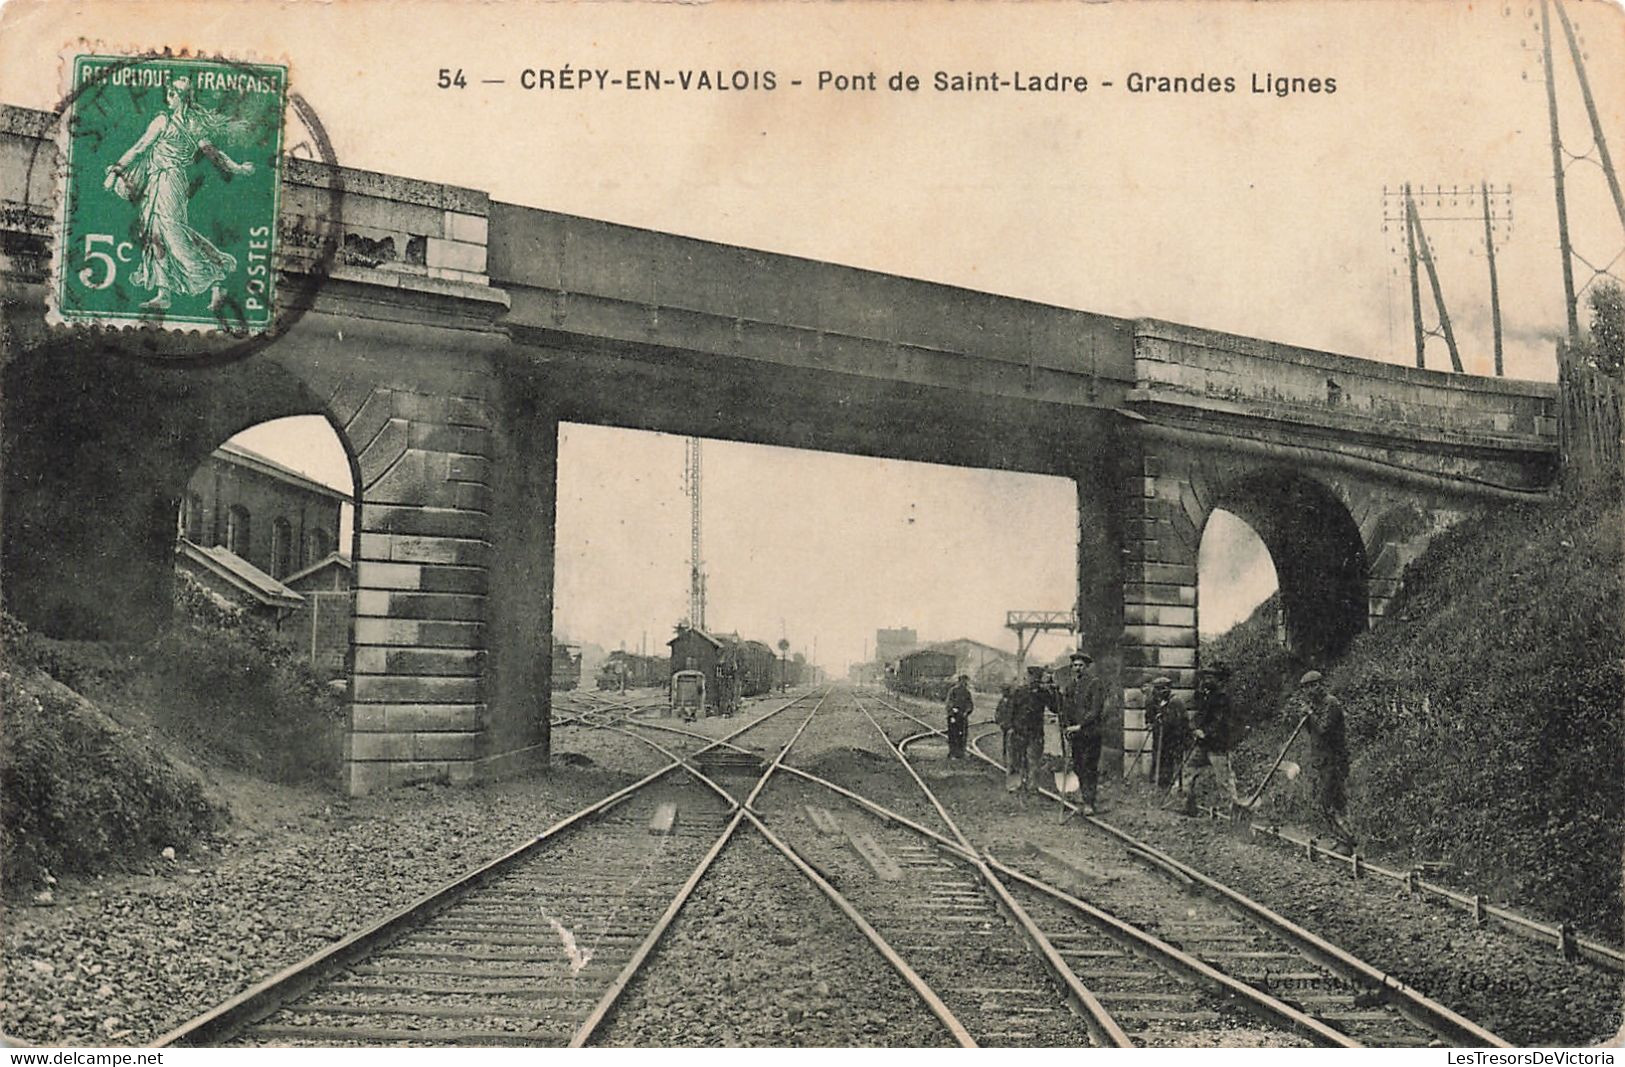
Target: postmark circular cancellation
pixel 171 171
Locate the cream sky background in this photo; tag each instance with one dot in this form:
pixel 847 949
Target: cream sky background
pixel 1239 212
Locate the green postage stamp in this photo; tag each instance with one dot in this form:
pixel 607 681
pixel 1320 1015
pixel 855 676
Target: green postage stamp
pixel 170 174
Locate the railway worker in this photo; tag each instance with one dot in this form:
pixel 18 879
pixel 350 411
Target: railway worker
pixel 1033 701
pixel 1002 716
pixel 1328 754
pixel 1083 709
pixel 1212 732
pixel 1170 731
pixel 1017 735
pixel 727 688
pixel 960 705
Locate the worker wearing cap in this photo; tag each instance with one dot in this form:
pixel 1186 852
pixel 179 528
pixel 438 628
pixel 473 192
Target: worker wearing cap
pixel 1212 732
pixel 1083 707
pixel 1328 753
pixel 1028 707
pixel 959 705
pixel 1165 718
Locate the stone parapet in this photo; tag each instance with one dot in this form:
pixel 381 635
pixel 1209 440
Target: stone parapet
pixel 1246 377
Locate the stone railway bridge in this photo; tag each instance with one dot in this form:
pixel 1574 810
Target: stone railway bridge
pixel 453 333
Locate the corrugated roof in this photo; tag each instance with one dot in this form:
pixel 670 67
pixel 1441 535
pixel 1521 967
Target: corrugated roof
pixel 240 573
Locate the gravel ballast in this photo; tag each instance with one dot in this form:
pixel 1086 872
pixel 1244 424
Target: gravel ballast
pixel 759 957
pixel 123 959
pixel 1519 989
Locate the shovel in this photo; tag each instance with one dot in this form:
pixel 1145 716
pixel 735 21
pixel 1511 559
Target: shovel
pixel 1282 764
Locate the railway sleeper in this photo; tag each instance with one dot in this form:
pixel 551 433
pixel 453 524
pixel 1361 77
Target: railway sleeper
pixel 375 1035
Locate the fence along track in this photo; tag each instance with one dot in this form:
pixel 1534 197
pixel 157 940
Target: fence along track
pixel 1414 1006
pixel 231 1017
pixel 1560 936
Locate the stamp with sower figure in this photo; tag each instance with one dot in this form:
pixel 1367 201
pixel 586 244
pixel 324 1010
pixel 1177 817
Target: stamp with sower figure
pixel 168 197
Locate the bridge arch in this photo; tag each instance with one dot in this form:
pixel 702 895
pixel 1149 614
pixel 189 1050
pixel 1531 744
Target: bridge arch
pixel 1316 547
pixel 99 450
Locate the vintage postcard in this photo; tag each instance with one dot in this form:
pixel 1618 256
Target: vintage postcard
pixel 892 525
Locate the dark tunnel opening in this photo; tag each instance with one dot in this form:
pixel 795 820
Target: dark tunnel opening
pixel 1319 559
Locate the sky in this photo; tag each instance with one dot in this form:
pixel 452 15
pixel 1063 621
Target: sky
pixel 1246 212
pixel 817 548
pixel 784 531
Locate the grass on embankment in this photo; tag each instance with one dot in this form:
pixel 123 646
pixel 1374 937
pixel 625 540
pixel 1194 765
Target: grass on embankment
pixel 1484 713
pixel 100 740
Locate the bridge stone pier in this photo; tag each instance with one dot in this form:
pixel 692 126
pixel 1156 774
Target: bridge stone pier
pixel 449 335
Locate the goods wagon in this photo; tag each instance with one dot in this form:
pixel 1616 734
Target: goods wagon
pixel 926 673
pixel 758 668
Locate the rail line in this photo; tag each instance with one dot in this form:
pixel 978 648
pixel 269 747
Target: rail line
pixel 965 906
pixel 488 960
pixel 590 709
pixel 1161 994
pixel 1369 996
pixel 501 967
pixel 745 811
pixel 953 936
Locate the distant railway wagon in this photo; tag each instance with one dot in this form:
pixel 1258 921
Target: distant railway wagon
pixel 758 669
pixel 733 668
pixel 793 671
pixel 628 670
pixel 566 666
pixel 925 673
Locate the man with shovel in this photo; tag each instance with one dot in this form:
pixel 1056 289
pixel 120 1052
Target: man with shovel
pixel 1212 731
pixel 1328 754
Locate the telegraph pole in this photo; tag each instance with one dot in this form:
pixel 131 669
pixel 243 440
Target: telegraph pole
pixel 1416 292
pixel 1408 207
pixel 1570 304
pixel 1591 108
pixel 1420 241
pixel 696 576
pixel 1495 291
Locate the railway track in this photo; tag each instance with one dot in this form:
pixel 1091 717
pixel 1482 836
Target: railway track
pixel 1207 921
pixel 593 709
pixel 969 934
pixel 531 948
pixel 1142 991
pixel 537 947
